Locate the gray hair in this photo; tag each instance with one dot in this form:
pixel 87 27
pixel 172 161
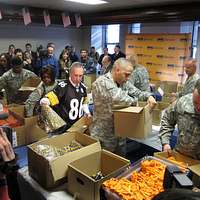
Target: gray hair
pixel 75 65
pixel 122 63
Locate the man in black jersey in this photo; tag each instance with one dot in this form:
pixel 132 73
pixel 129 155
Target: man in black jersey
pixel 69 98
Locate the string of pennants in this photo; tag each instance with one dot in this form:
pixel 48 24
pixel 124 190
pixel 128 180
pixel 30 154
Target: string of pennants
pixel 47 18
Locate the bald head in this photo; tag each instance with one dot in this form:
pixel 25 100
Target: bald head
pixel 121 71
pixel 190 66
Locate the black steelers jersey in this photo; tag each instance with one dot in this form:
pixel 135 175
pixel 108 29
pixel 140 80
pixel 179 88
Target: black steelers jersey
pixel 71 100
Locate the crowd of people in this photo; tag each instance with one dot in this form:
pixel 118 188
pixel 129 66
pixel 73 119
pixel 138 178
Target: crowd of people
pixel 121 81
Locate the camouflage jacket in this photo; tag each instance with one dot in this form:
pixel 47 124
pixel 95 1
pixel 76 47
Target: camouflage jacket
pixel 106 96
pixel 140 78
pixel 11 82
pixel 35 97
pixel 188 85
pixel 183 114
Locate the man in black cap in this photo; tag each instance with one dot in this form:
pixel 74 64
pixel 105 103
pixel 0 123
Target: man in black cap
pixel 13 79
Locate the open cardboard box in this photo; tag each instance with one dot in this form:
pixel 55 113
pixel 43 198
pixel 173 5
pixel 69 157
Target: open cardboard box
pixel 51 173
pixel 80 182
pixel 134 122
pixel 179 157
pixel 32 82
pixel 27 133
pixel 157 111
pixel 81 126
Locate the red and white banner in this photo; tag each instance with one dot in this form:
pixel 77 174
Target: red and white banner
pixel 78 20
pixel 26 16
pixel 66 19
pixel 47 19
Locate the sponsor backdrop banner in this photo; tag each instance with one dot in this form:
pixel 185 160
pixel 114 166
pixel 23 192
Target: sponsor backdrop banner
pixel 162 54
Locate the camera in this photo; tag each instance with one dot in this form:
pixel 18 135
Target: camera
pixel 7 167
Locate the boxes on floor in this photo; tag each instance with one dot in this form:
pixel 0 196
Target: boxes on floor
pixel 81 126
pixel 157 111
pixel 134 122
pixel 51 173
pixel 27 133
pixel 80 182
pixel 88 80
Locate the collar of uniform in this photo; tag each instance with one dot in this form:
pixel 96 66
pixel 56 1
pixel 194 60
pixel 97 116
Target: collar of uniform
pixel 76 86
pixel 109 75
pixel 13 74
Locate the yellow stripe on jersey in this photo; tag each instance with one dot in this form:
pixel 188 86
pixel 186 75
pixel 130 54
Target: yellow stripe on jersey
pixel 85 100
pixel 52 98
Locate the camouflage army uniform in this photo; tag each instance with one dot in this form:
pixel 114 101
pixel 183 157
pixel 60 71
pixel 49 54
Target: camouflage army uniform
pixel 35 97
pixel 106 94
pixel 11 82
pixel 188 85
pixel 140 78
pixel 182 113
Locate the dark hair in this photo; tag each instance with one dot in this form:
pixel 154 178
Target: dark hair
pixel 4 55
pixel 16 61
pixel 117 45
pixel 177 194
pixel 51 44
pixel 18 51
pixel 48 69
pixel 197 86
pixel 84 50
pixel 28 44
pixel 63 52
pixel 11 45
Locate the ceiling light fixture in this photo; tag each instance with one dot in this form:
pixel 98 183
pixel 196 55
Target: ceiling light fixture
pixel 89 2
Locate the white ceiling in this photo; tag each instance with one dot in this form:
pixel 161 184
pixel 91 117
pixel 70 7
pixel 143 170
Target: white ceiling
pixel 82 8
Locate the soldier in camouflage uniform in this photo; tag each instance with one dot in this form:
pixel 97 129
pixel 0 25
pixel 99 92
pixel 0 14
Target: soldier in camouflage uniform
pixel 48 83
pixel 109 91
pixel 185 112
pixel 140 76
pixel 13 79
pixel 190 70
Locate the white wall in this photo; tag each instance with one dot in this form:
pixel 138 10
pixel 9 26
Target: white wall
pixel 19 35
pixel 165 27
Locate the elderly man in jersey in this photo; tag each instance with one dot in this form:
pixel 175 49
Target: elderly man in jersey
pixel 109 90
pixel 185 112
pixel 69 98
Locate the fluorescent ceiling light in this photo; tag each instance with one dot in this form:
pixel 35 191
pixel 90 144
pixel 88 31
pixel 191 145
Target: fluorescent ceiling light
pixel 89 2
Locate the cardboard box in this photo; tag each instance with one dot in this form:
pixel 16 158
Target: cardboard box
pixel 80 182
pixel 135 122
pixel 81 126
pixel 27 133
pixel 32 82
pixel 88 80
pixel 167 86
pixel 157 111
pixel 54 172
pixel 196 174
pixel 179 157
